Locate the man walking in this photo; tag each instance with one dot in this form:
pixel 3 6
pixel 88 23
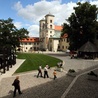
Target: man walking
pixel 46 72
pixel 39 71
pixel 16 85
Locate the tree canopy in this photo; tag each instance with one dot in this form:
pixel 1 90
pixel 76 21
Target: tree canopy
pixel 10 36
pixel 82 25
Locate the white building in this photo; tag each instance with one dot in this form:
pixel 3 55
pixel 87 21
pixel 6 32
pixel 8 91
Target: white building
pixel 49 37
pixel 29 44
pixel 50 34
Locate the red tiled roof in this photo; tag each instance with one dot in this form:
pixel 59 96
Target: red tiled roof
pixel 30 39
pixel 58 28
pixel 64 36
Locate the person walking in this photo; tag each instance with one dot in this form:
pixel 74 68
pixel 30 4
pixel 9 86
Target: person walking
pixel 46 72
pixel 39 72
pixel 54 74
pixel 16 85
pixel 48 67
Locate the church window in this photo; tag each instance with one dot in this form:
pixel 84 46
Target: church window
pixel 51 26
pixel 50 21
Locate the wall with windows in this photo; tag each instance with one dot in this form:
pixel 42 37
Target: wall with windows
pixel 29 45
pixel 64 44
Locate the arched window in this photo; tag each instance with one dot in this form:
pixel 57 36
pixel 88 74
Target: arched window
pixel 50 21
pixel 51 26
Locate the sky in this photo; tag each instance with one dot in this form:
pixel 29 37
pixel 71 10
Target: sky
pixel 27 13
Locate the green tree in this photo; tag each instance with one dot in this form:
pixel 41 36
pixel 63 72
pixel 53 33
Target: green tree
pixel 82 25
pixel 10 36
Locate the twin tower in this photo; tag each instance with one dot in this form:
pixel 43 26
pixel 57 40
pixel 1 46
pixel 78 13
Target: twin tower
pixel 47 32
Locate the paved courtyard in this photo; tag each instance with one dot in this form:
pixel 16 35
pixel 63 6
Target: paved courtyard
pixel 63 87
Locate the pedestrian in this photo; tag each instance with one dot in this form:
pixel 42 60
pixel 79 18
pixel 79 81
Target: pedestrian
pixel 54 74
pixel 60 64
pixel 46 72
pixel 39 71
pixel 48 67
pixel 16 85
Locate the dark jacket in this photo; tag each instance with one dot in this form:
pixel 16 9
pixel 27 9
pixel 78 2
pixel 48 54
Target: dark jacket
pixel 16 83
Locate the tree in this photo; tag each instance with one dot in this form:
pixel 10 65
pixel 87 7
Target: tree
pixel 9 35
pixel 82 25
pixel 10 38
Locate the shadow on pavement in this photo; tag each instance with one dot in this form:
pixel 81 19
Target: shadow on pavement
pixel 51 89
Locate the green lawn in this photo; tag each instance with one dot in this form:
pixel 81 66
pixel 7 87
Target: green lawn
pixel 33 60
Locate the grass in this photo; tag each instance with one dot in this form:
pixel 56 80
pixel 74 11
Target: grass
pixel 33 60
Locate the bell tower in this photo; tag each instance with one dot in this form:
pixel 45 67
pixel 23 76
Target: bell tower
pixel 46 30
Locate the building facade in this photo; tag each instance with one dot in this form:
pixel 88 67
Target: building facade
pixel 50 35
pixel 49 38
pixel 29 44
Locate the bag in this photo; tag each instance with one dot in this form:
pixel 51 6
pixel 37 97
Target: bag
pixel 13 84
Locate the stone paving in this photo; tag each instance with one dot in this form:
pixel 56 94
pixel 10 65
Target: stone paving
pixel 33 87
pixel 84 88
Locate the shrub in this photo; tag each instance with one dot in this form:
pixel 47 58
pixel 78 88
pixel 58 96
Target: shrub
pixel 71 70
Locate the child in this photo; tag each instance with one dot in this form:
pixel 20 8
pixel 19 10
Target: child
pixel 54 73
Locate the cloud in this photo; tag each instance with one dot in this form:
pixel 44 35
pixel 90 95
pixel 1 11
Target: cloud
pixel 34 30
pixel 34 12
pixel 18 25
pixel 18 6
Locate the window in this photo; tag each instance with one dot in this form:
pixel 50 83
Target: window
pixel 62 47
pixel 30 47
pixel 43 25
pixel 50 35
pixel 50 41
pixel 51 26
pixel 58 47
pixel 50 21
pixel 50 31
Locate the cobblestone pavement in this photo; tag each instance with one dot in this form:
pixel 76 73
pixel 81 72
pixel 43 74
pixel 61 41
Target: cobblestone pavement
pixel 33 87
pixel 84 88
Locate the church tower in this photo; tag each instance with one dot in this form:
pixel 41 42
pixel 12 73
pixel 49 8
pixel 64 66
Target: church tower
pixel 46 30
